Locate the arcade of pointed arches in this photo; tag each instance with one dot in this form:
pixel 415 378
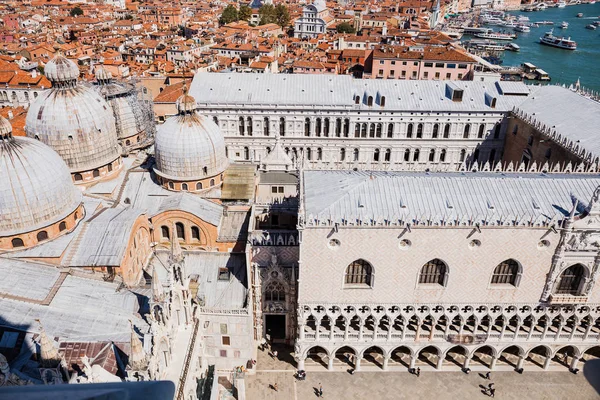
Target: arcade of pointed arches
pixel 482 356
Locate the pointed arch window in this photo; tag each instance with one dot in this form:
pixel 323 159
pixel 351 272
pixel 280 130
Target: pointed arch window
pixel 409 130
pixel 275 292
pixel 282 126
pixel 481 131
pixel 466 131
pixel 436 128
pixel 419 131
pixel 434 272
pixel 359 273
pixel 570 280
pixel 508 272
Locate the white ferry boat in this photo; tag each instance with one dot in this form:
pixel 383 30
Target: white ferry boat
pixel 512 47
pixel 562 43
pixel 496 36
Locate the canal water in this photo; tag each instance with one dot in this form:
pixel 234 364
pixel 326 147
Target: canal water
pixel 564 66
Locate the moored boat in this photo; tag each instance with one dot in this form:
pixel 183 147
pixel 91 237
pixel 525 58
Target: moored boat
pixel 591 27
pixel 564 25
pixel 562 43
pixel 579 15
pixel 561 4
pixel 512 47
pixel 496 36
pixel 522 28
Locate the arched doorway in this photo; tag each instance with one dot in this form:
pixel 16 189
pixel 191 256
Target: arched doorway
pixel 346 355
pixel 401 355
pixel 456 355
pixel 593 353
pixel 564 356
pixel 317 356
pixel 429 356
pixel 538 356
pixel 510 356
pixel 373 355
pixel 484 356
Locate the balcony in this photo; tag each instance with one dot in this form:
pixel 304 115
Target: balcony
pixel 567 299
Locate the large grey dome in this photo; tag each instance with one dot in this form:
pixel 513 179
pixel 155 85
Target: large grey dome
pixel 76 122
pixel 189 146
pixel 36 189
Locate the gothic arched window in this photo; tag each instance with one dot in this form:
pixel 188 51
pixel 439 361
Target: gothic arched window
pixel 360 273
pixel 434 272
pixel 570 280
pixel 507 273
pixel 275 292
pixel 164 232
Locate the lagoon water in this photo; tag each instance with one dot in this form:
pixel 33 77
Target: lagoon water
pixel 564 66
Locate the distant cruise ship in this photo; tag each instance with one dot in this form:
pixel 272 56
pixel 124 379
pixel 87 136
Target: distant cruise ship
pixel 560 42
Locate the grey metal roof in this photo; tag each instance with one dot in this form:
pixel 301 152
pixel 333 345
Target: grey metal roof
pixel 568 113
pixel 26 279
pixel 360 197
pixel 104 238
pixel 234 226
pixel 202 208
pixel 82 309
pixel 316 91
pixel 215 293
pixel 278 177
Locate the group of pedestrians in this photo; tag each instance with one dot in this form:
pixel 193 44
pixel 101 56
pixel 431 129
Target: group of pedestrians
pixel 490 390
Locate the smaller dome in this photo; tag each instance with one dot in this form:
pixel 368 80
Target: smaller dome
pixel 61 70
pixel 189 146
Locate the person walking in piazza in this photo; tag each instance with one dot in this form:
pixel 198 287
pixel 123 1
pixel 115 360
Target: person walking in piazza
pixel 487 375
pixel 320 390
pixel 418 372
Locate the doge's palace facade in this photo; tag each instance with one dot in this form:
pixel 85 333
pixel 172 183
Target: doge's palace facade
pixel 402 270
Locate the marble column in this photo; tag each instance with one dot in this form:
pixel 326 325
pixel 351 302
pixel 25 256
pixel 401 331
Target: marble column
pixel 301 331
pixel 413 360
pixel 520 362
pixel 467 361
pixel 587 330
pixel 547 361
pixel 385 363
pixel 575 362
pixel 330 363
pixel 346 328
pixel 357 363
pixel 301 364
pixel 440 361
pixel 493 363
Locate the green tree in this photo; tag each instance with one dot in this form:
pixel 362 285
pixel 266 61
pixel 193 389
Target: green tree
pixel 282 15
pixel 76 11
pixel 230 14
pixel 245 13
pixel 345 27
pixel 267 14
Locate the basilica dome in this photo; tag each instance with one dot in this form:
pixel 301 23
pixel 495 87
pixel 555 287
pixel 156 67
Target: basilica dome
pixel 189 148
pixel 75 121
pixel 133 117
pixel 36 190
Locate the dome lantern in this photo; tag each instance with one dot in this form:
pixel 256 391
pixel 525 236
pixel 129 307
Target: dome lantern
pixel 62 72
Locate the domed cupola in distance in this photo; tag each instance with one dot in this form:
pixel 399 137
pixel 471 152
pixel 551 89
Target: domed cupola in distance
pixel 134 118
pixel 76 122
pixel 38 200
pixel 189 150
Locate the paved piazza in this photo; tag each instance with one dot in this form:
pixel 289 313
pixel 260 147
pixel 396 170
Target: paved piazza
pixel 430 385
